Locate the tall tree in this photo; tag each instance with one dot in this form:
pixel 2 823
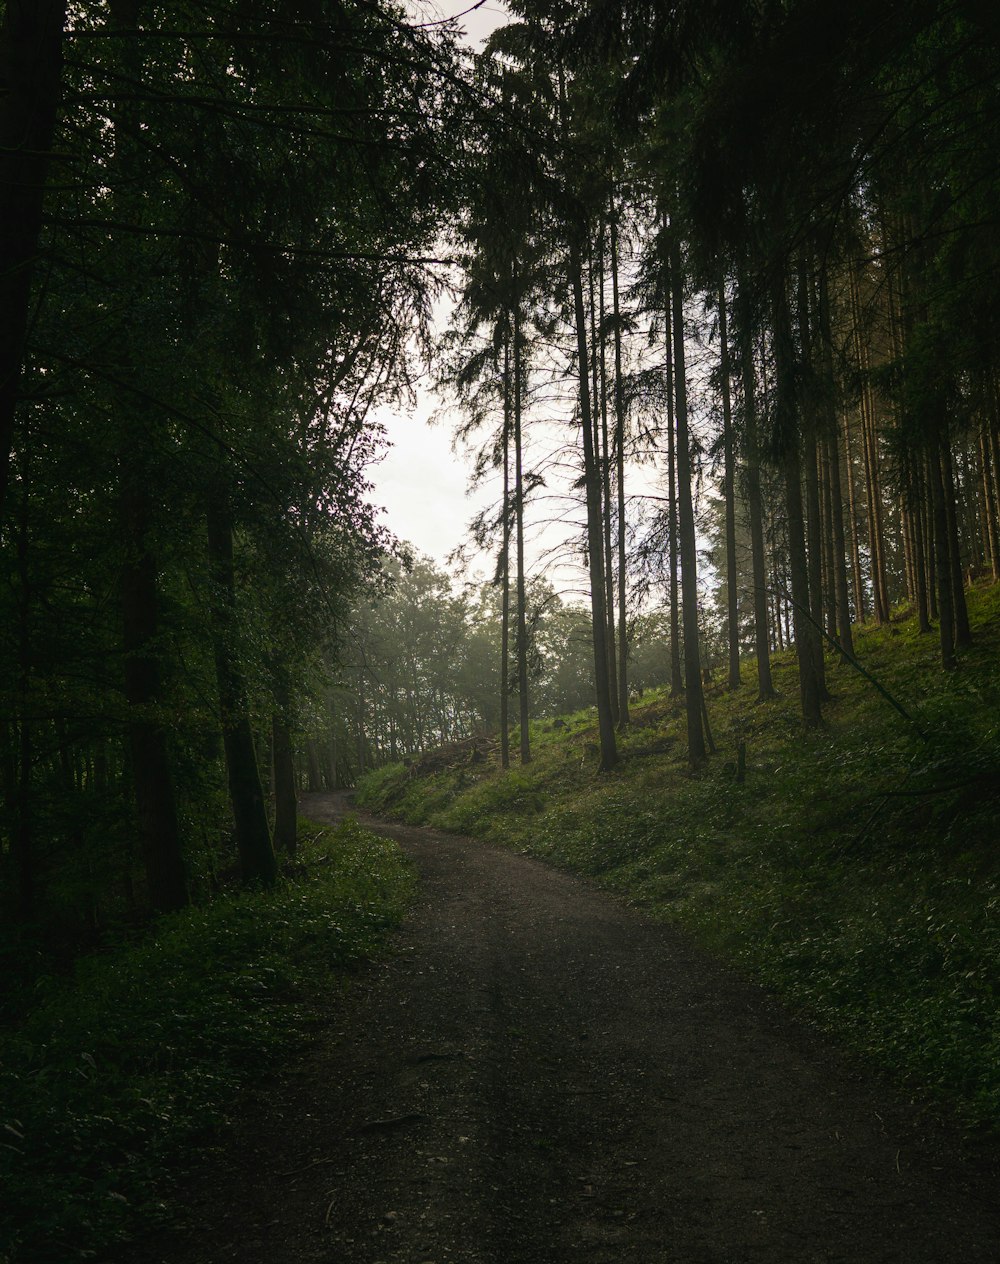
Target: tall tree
pixel 619 450
pixel 693 692
pixel 31 38
pixel 729 492
pixel 754 499
pixel 595 521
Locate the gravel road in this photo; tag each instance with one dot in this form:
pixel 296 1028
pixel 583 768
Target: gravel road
pixel 540 1074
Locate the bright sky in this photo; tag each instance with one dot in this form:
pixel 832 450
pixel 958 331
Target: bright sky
pixel 421 483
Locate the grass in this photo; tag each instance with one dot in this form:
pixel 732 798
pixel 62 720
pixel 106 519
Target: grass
pixel 855 871
pixel 116 1076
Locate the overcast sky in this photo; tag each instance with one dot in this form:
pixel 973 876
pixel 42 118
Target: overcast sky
pixel 421 484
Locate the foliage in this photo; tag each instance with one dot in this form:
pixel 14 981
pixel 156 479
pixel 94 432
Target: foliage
pixel 234 245
pixel 854 870
pixel 426 666
pixel 148 1050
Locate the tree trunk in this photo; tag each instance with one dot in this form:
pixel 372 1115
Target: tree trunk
pixel 942 563
pixel 807 652
pixel 30 66
pixel 676 677
pixel 829 563
pixel 755 513
pixel 856 575
pixel 505 566
pixel 811 688
pixel 283 771
pixel 875 516
pixel 595 540
pixel 729 477
pixel 977 555
pixel 845 633
pixel 963 632
pixel 928 517
pixel 623 715
pixel 919 561
pixel 600 406
pixel 814 532
pixel 156 810
pixel 869 446
pixel 814 559
pixel 909 572
pixel 780 637
pixel 837 535
pixel 694 692
pixel 988 515
pixel 253 838
pixel 522 626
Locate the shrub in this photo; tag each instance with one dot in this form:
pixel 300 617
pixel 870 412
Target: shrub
pixel 144 1053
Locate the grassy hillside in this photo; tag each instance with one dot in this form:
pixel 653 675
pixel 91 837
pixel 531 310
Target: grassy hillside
pixel 855 870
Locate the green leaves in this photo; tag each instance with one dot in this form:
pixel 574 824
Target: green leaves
pixel 115 1076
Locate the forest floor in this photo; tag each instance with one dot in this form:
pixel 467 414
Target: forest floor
pixel 539 1073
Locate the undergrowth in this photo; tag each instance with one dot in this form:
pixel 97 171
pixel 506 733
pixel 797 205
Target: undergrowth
pixel 855 870
pixel 117 1075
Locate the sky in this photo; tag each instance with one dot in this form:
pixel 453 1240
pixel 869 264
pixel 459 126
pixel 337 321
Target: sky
pixel 421 483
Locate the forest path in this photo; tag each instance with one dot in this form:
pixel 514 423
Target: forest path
pixel 540 1075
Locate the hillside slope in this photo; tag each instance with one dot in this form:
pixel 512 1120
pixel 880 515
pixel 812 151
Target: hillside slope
pixel 854 869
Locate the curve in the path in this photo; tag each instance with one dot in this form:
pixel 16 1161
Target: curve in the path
pixel 586 1085
pixel 540 1075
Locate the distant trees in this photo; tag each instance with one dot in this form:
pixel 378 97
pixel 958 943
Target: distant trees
pixel 421 672
pixel 424 667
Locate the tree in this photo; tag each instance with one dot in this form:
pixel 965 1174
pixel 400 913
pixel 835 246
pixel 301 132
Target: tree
pixel 729 491
pixel 228 289
pixel 694 701
pixel 31 38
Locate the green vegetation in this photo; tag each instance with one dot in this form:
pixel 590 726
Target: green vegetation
pixel 144 1054
pixel 208 297
pixel 854 870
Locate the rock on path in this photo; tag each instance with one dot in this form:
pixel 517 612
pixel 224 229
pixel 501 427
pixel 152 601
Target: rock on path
pixel 540 1075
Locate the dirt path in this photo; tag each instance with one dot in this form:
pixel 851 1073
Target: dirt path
pixel 539 1075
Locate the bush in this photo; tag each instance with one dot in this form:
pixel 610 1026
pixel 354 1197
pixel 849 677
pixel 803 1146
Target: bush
pixel 379 789
pixel 145 1052
pixel 514 791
